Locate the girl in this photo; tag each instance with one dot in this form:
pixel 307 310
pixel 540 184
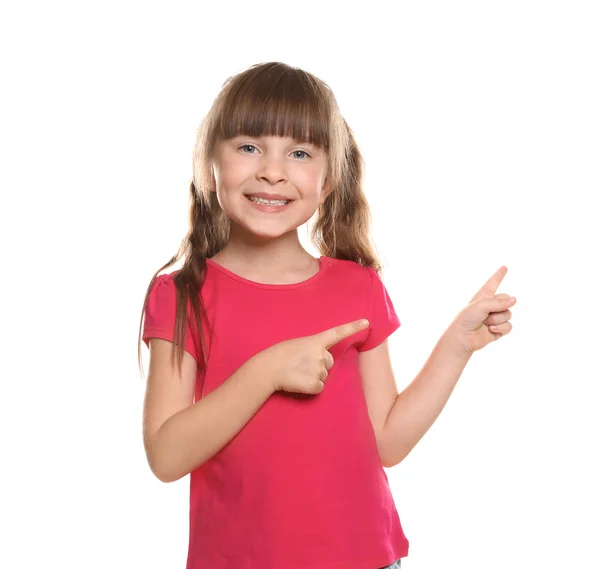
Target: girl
pixel 282 405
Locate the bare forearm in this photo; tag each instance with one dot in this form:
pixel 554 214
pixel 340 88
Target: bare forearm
pixel 419 405
pixel 192 436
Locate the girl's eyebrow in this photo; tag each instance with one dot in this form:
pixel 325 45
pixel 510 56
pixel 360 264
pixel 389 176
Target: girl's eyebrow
pixel 264 136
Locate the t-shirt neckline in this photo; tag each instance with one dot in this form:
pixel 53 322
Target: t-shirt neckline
pixel 323 265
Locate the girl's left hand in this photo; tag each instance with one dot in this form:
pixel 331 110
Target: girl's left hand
pixel 484 320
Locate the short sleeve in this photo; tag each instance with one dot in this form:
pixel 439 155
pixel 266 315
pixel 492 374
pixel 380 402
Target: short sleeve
pixel 159 315
pixel 383 319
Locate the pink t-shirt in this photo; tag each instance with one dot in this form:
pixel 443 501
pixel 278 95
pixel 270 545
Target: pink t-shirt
pixel 301 486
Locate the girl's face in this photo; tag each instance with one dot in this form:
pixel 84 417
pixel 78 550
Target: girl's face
pixel 273 165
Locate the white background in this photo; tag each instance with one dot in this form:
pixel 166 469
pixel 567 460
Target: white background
pixel 479 123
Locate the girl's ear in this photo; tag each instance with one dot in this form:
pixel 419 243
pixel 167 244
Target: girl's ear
pixel 325 190
pixel 213 181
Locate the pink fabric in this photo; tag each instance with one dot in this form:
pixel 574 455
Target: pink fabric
pixel 301 486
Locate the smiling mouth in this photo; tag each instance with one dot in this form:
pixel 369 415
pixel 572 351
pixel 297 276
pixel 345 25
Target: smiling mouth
pixel 263 201
pixel 269 207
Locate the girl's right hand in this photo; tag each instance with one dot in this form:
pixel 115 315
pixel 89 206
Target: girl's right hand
pixel 301 365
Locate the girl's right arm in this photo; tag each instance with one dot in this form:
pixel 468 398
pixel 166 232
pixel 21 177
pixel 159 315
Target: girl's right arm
pixel 180 436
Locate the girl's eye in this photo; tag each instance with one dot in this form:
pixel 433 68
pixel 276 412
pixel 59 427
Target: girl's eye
pixel 301 152
pixel 248 146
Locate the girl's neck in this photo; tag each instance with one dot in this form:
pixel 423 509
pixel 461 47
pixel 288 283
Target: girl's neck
pixel 271 268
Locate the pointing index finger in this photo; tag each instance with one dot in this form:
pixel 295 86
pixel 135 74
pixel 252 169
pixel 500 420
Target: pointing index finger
pixel 339 333
pixel 491 285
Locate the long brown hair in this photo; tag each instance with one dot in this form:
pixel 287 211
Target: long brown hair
pixel 269 99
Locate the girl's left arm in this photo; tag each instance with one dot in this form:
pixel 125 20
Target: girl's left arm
pixel 420 403
pixel 484 320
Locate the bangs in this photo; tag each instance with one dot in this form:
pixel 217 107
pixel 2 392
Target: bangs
pixel 275 103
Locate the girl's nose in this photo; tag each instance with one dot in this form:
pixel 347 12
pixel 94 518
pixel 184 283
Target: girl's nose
pixel 272 170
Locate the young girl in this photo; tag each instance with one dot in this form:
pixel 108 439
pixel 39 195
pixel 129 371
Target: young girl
pixel 282 405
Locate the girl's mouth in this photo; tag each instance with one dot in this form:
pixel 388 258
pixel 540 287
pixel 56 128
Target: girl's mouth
pixel 269 205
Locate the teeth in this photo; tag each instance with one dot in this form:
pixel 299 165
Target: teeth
pixel 268 202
